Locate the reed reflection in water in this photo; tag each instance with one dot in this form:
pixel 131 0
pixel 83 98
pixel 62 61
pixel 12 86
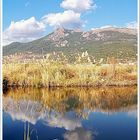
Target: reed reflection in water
pixel 69 109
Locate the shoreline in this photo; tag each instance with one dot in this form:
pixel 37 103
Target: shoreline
pixel 53 74
pixel 131 83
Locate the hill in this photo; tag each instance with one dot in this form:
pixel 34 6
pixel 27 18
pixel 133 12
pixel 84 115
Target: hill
pixel 100 43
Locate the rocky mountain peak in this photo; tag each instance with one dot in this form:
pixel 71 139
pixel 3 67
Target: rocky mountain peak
pixel 70 41
pixel 115 29
pixel 60 30
pixel 57 34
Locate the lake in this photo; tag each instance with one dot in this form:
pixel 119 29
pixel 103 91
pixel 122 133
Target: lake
pixel 107 113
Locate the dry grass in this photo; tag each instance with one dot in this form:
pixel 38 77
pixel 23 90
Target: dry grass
pixel 45 73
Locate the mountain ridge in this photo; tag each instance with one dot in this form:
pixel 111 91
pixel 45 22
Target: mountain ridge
pixel 98 41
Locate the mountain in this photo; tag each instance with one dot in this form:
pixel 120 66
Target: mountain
pixel 117 42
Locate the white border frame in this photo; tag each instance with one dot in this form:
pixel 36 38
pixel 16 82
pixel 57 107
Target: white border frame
pixel 138 71
pixel 1 119
pixel 138 62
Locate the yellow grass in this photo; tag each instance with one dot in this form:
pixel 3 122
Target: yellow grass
pixel 43 73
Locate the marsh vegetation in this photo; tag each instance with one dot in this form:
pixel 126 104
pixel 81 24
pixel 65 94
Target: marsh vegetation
pixel 55 71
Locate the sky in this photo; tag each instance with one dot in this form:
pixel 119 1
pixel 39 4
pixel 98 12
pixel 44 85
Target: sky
pixel 27 20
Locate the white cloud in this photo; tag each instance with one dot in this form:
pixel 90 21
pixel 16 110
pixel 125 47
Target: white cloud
pixel 78 5
pixel 108 26
pixel 67 19
pixel 132 25
pixel 23 31
pixel 31 29
pixel 104 27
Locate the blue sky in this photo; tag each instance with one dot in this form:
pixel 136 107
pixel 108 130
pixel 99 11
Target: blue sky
pixel 47 15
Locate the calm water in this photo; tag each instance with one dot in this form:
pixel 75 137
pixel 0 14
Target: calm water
pixel 70 114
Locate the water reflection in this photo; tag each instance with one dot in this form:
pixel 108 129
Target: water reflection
pixel 78 134
pixel 68 109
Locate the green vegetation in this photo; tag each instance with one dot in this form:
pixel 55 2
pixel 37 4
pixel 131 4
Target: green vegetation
pixel 103 44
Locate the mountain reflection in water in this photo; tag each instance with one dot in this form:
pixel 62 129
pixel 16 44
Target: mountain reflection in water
pixel 72 110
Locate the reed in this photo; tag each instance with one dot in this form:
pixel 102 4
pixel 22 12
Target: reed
pixel 54 73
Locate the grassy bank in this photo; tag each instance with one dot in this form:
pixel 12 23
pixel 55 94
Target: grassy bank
pixel 43 73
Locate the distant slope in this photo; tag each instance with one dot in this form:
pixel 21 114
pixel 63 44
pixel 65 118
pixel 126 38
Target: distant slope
pixel 118 42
